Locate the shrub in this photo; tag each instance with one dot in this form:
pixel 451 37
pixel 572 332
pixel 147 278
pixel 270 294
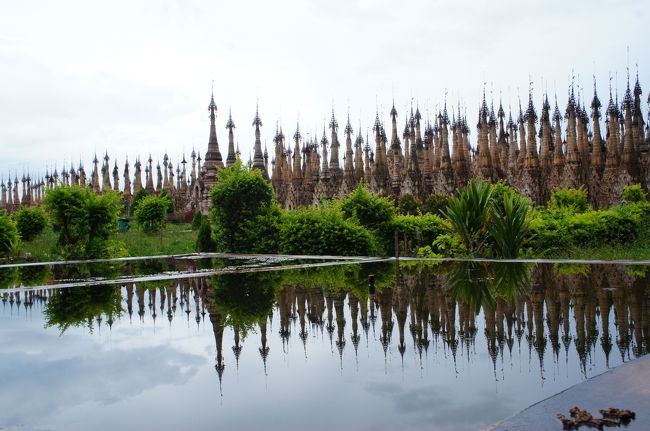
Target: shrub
pixel 408 204
pixel 416 230
pixel 83 220
pixel 151 214
pixel 469 214
pixel 368 209
pixel 634 194
pixel 243 210
pixel 204 240
pixel 435 204
pixel 8 235
pixel 142 193
pixel 574 200
pixel 30 223
pixel 509 225
pixel 323 231
pixel 197 220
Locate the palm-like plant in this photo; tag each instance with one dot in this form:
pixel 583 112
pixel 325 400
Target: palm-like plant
pixel 470 214
pixel 509 226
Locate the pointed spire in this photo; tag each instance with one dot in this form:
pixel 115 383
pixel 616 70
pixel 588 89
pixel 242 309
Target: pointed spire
pixel 230 124
pixel 348 127
pixel 334 125
pixel 256 121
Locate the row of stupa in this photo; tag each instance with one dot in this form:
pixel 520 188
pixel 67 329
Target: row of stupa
pixel 433 156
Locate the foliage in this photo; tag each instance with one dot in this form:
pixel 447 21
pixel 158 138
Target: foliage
pixel 8 235
pixel 407 204
pixel 36 275
pixel 414 230
pixel 479 284
pixel 634 194
pixel 8 277
pixel 175 239
pixel 435 204
pixel 78 306
pixel 169 204
pixel 139 196
pixel 246 298
pixel 323 231
pixel 559 230
pixel 197 220
pixel 151 213
pixel 572 269
pixel 566 198
pixel 242 210
pixel 469 215
pixel 204 240
pixel 369 210
pixel 509 225
pixel 85 221
pixel 446 245
pixel 30 222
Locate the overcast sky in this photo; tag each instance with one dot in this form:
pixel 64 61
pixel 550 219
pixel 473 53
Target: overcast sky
pixel 134 77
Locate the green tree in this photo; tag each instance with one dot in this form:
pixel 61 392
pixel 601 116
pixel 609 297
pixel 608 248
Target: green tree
pixel 83 220
pixel 141 194
pixel 8 235
pixel 151 214
pixel 197 220
pixel 566 198
pixel 204 240
pixel 407 204
pixel 369 210
pixel 30 222
pixel 509 225
pixel 435 204
pixel 244 211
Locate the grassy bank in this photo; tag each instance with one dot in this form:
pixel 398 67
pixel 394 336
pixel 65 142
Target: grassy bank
pixel 175 239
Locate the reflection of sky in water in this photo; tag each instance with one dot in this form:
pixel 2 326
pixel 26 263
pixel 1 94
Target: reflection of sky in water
pixel 141 375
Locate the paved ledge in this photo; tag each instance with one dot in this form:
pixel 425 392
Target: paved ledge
pixel 626 386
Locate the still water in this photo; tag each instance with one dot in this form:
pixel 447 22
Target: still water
pixel 449 346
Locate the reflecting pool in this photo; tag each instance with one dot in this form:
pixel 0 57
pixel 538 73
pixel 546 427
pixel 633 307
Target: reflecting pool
pixel 358 345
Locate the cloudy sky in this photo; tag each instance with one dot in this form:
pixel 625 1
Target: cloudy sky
pixel 134 77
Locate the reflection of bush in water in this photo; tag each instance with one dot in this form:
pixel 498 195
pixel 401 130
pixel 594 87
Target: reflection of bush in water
pixel 581 269
pixel 78 306
pixel 246 298
pixel 8 277
pixel 480 283
pixel 350 278
pixel 34 275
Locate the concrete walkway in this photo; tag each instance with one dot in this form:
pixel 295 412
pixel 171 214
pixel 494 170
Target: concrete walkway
pixel 626 387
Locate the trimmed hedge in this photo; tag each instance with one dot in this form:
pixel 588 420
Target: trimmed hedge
pixel 323 231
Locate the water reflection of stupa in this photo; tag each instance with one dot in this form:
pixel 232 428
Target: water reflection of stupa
pixel 584 312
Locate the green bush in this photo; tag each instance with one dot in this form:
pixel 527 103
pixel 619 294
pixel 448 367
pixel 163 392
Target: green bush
pixel 30 223
pixel 469 215
pixel 408 204
pixel 634 194
pixel 415 230
pixel 435 204
pixel 142 193
pixel 8 235
pixel 323 231
pixel 559 230
pixel 204 241
pixel 509 225
pixel 573 200
pixel 368 209
pixel 197 220
pixel 83 220
pixel 244 211
pixel 151 214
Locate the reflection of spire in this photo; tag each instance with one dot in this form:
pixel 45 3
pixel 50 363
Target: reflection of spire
pixel 264 349
pixel 237 348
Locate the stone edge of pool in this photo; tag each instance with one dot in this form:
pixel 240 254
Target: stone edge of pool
pixel 626 386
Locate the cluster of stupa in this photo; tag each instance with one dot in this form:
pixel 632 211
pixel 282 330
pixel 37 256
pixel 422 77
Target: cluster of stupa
pixel 534 154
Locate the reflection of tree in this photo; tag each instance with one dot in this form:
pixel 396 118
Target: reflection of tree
pixel 481 283
pixel 77 306
pixel 8 277
pixel 246 298
pixel 34 275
